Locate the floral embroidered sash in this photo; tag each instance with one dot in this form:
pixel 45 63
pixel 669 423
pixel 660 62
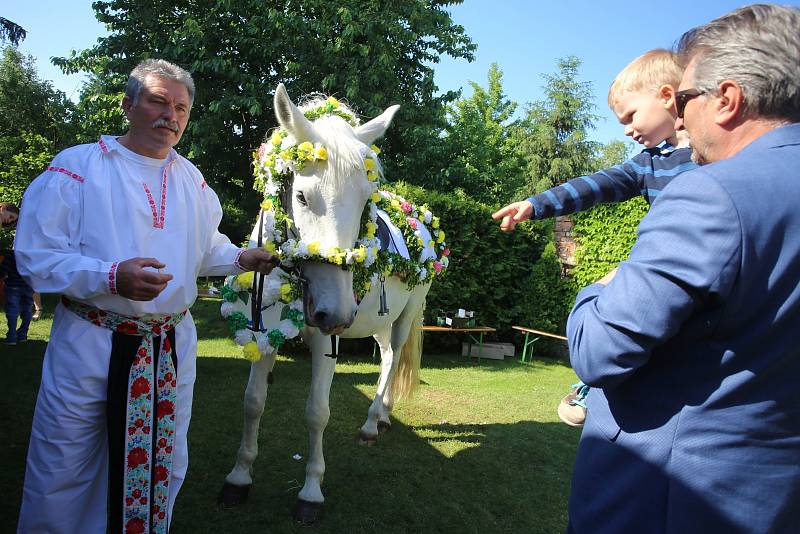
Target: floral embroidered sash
pixel 141 509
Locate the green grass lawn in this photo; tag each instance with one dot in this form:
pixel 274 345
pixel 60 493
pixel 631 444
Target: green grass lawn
pixel 478 449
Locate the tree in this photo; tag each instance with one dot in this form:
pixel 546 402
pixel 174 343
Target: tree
pixel 482 159
pixel 34 124
pixel 371 53
pixel 11 32
pixel 553 134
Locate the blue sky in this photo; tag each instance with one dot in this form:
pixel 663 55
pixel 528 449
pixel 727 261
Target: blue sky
pixel 524 37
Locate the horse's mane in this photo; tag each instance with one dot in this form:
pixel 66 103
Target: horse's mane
pixel 337 136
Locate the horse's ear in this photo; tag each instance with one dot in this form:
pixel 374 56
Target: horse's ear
pixel 367 133
pixel 291 118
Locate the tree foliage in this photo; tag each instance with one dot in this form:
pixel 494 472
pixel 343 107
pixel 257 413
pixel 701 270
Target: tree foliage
pixel 35 123
pixel 371 53
pixel 482 159
pixel 553 134
pixel 11 32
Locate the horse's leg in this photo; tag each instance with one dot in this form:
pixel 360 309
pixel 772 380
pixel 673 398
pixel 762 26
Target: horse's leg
pixel 393 350
pixel 310 498
pixel 239 480
pixel 378 413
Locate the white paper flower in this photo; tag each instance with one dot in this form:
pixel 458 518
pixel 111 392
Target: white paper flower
pixel 243 336
pixel 288 329
pixel 226 309
pixel 262 340
pixel 271 188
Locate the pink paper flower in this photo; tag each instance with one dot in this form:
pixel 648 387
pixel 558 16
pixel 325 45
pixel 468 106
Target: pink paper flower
pixel 412 222
pixel 406 207
pixel 437 266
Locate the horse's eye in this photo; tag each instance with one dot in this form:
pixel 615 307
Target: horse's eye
pixel 301 198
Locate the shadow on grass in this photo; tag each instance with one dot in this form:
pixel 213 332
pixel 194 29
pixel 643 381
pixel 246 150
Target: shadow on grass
pixel 425 475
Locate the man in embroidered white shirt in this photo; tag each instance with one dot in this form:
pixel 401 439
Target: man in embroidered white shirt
pixel 121 228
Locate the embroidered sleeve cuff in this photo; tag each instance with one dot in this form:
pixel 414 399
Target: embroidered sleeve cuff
pixel 112 278
pixel 236 261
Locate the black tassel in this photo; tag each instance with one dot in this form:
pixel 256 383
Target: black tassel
pixel 383 309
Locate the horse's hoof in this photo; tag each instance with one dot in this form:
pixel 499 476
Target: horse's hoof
pixel 366 439
pixel 306 512
pixel 384 427
pixel 232 495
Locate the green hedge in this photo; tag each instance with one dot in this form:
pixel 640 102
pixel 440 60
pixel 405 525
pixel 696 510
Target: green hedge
pixel 605 236
pixel 506 278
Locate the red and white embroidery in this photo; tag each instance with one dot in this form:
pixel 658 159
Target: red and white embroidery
pixel 112 278
pixel 159 214
pixel 236 261
pixel 103 146
pixel 65 171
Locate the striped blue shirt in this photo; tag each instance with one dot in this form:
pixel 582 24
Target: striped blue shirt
pixel 645 174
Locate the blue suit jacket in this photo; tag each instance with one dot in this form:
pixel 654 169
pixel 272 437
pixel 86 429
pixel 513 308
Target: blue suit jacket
pixel 696 346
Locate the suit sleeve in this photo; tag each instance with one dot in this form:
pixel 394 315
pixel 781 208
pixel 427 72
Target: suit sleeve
pixel 687 255
pixel 616 184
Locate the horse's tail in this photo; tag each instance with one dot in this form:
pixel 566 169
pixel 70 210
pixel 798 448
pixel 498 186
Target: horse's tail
pixel 406 377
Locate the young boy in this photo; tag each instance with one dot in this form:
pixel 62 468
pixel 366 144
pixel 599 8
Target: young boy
pixel 642 97
pixel 18 294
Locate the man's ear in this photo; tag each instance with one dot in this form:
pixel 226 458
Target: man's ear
pixel 729 104
pixel 127 102
pixel 666 93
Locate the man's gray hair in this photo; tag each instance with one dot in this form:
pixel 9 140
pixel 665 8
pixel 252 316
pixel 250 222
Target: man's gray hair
pixel 160 68
pixel 758 47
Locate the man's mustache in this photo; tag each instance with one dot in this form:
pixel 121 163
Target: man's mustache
pixel 161 123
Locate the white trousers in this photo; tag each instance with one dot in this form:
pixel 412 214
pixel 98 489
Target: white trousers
pixel 66 476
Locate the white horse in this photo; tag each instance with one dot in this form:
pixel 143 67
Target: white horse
pixel 325 201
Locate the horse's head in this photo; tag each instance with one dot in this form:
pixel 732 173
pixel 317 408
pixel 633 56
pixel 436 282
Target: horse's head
pixel 326 200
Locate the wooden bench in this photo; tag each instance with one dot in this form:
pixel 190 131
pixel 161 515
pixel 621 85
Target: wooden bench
pixel 469 331
pixel 530 331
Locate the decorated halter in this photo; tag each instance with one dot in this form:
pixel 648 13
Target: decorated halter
pixel 275 162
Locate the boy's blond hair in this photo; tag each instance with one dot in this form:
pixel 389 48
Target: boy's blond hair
pixel 647 72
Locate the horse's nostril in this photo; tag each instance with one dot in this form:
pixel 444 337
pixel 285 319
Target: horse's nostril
pixel 320 318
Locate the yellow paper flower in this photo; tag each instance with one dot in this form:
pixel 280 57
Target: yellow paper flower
pixel 396 204
pixel 376 149
pixel 431 243
pixel 321 153
pixel 313 248
pixel 435 222
pixel 369 164
pixel 269 161
pixel 367 285
pixel 360 254
pixel 376 197
pixel 245 280
pixel 441 236
pixel 250 351
pixel 286 292
pixel 305 151
pixel 276 138
pixel 267 204
pixel 286 155
pixel 372 176
pixel 371 229
pixel 269 246
pixel 333 102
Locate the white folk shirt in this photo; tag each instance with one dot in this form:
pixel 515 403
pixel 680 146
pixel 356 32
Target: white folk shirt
pixel 89 211
pixel 100 204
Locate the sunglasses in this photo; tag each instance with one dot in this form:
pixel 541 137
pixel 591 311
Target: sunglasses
pixel 683 97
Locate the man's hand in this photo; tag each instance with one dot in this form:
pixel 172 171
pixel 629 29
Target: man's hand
pixel 258 259
pixel 136 283
pixel 513 214
pixel 608 277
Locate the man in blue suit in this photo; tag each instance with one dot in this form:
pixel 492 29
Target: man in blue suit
pixel 692 345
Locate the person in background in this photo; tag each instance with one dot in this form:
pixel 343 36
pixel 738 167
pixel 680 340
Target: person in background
pixel 690 345
pixel 121 228
pixel 642 96
pixel 18 294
